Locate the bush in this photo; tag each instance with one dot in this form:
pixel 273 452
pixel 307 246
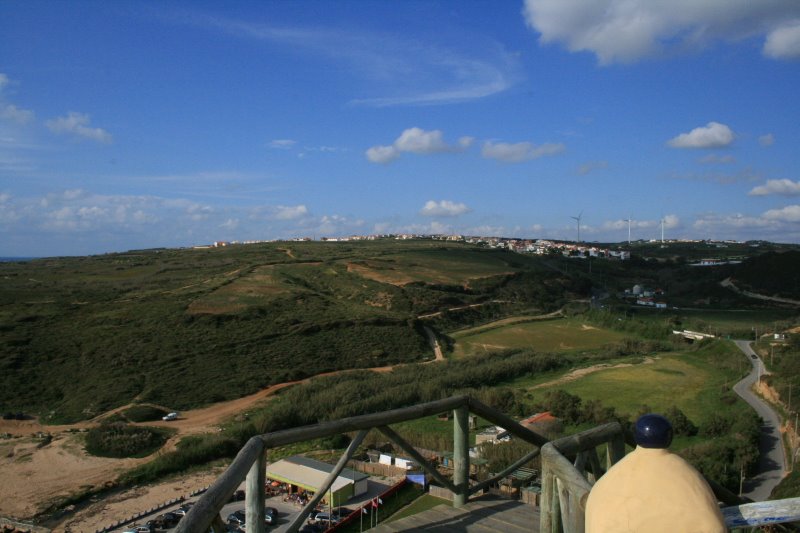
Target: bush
pixel 144 413
pixel 119 440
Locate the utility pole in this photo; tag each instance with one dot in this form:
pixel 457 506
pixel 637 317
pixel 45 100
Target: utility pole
pixel 741 477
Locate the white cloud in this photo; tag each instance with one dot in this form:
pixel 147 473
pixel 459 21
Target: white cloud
pixel 766 140
pixel 712 135
pixel 715 223
pixel 230 224
pixel 625 31
pixel 444 208
pixel 398 69
pixel 283 212
pixel 4 81
pixel 12 112
pixel 790 213
pixel 282 144
pixel 486 231
pixel 782 187
pixel 784 42
pixel 78 124
pixel 518 152
pixel 417 141
pixel 382 154
pixel 670 222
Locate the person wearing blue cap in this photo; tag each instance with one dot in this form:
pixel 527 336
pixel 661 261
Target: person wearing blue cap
pixel 653 490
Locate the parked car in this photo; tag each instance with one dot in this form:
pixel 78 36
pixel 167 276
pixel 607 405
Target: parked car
pixel 167 520
pixel 183 509
pixel 237 518
pixel 270 516
pixel 238 496
pixel 169 417
pixel 324 518
pixel 139 529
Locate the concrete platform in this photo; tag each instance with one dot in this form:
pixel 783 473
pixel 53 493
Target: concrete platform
pixel 482 514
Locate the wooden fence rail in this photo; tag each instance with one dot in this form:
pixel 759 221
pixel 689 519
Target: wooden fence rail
pixel 250 462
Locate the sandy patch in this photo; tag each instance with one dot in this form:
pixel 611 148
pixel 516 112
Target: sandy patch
pixel 580 372
pixel 127 503
pixel 33 477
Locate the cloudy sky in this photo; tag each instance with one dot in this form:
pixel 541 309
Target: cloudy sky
pixel 130 125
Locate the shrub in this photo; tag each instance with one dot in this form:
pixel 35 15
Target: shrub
pixel 119 440
pixel 144 413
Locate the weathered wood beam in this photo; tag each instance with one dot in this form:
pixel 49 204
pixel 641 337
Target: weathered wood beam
pixel 550 516
pixel 494 479
pixel 509 424
pixel 615 450
pixel 409 449
pixel 762 513
pixel 254 496
pixel 218 525
pixel 357 423
pixel 591 438
pixel 574 488
pixel 461 455
pixel 200 517
pixel 326 485
pixel 595 470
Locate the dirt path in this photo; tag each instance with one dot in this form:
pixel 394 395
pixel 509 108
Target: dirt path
pixel 581 372
pixel 728 283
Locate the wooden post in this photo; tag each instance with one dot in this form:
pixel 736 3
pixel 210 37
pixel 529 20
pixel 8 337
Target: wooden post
pixel 325 488
pixel 461 455
pixel 207 509
pixel 545 517
pixel 254 495
pixel 615 450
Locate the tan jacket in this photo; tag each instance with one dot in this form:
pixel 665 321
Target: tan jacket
pixel 652 490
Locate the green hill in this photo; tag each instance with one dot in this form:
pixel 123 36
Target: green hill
pixel 771 274
pixel 182 328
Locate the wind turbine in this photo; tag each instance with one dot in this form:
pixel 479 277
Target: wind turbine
pixel 629 229
pixel 578 219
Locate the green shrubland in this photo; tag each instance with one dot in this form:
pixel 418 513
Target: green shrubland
pixel 117 439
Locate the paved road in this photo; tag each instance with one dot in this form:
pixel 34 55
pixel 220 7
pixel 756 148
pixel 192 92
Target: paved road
pixel 772 459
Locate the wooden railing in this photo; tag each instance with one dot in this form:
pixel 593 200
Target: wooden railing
pixel 571 465
pixel 250 462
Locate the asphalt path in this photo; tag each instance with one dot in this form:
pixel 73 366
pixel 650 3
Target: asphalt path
pixel 772 456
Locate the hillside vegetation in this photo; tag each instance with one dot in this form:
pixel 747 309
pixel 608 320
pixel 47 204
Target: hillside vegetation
pixel 182 328
pixel 771 274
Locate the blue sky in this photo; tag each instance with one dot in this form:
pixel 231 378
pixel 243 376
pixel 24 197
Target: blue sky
pixel 129 125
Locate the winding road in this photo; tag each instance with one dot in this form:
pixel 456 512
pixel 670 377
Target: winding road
pixel 772 456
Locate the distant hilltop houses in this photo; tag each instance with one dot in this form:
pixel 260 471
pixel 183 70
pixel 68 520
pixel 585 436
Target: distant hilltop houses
pixel 530 246
pixel 646 297
pixel 575 250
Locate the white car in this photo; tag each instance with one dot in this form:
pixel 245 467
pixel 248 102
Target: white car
pixel 169 417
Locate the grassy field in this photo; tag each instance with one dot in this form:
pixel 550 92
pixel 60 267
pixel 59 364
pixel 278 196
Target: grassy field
pixel 556 335
pixel 735 323
pixel 691 381
pixel 457 267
